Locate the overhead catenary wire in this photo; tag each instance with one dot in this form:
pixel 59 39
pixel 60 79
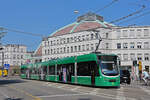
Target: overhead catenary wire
pixel 129 15
pixel 146 13
pixel 28 33
pixel 106 6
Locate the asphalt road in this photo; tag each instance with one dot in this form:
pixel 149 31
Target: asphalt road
pixel 20 89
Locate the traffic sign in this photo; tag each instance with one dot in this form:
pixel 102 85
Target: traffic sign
pixel 1 72
pixel 5 72
pixel 6 66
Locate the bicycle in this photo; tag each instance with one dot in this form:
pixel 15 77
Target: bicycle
pixel 147 81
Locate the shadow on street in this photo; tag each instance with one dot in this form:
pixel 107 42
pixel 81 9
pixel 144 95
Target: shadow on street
pixel 13 81
pixel 13 99
pixel 85 99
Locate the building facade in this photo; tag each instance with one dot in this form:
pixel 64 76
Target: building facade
pixel 73 44
pixel 132 43
pixel 13 54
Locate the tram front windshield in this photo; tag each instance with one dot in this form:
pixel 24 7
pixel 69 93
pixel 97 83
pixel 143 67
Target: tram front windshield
pixel 108 65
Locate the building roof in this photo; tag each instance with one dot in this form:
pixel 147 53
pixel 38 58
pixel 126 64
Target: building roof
pixel 84 22
pixel 38 52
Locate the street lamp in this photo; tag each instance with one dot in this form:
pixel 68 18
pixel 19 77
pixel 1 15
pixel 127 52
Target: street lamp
pixel 76 11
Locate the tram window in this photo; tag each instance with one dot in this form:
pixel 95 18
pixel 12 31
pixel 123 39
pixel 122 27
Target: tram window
pixel 51 70
pixel 86 68
pixel 45 69
pixel 83 69
pixel 23 70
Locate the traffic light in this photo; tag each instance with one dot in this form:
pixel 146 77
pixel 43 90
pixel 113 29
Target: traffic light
pixel 140 66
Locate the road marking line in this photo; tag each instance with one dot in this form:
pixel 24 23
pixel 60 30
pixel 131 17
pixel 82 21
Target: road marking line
pixel 26 93
pixel 102 94
pixel 95 90
pixel 120 94
pixel 60 86
pixel 74 89
pixel 61 95
pixel 50 96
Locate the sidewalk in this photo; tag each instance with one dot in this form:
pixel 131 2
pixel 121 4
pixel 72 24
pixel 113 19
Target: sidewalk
pixel 135 83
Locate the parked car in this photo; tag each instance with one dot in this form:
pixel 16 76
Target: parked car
pixel 125 76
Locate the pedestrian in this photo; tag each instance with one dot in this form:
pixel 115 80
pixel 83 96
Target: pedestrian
pixel 145 76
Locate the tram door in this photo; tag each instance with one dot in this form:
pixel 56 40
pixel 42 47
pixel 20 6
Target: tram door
pixel 92 77
pixel 65 73
pixel 69 73
pixel 28 73
pixel 43 73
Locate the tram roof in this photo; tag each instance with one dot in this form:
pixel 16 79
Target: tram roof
pixel 106 54
pixel 26 66
pixel 68 60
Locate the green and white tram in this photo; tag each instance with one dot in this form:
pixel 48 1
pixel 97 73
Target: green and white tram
pixel 90 69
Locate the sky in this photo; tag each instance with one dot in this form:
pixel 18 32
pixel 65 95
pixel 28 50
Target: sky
pixel 46 16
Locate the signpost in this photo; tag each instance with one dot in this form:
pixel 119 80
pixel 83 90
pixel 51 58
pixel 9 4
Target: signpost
pixel 4 70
